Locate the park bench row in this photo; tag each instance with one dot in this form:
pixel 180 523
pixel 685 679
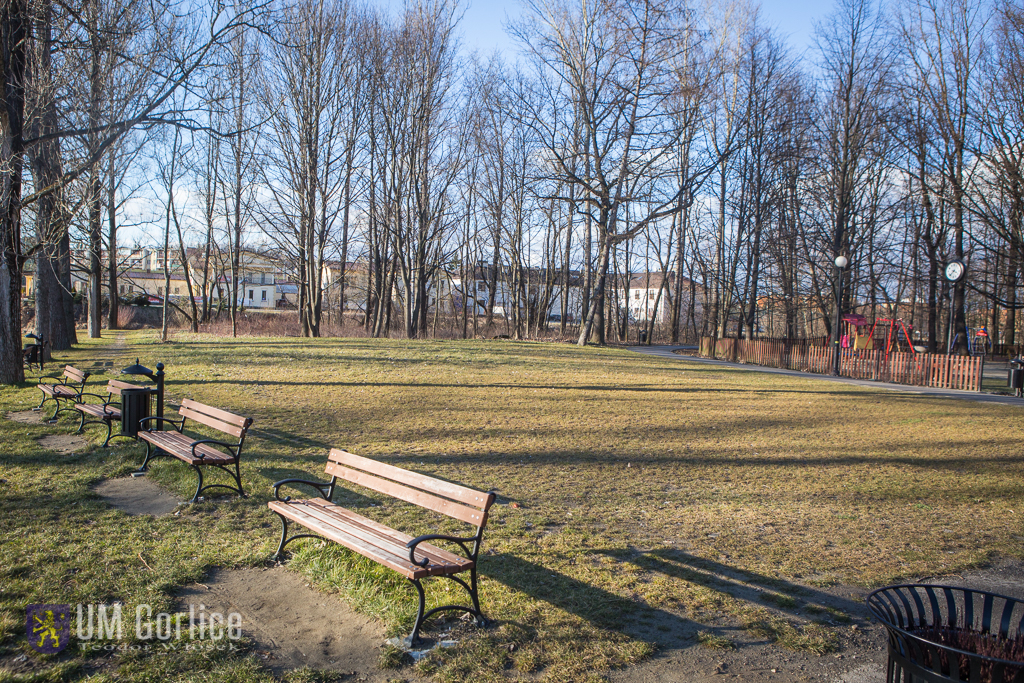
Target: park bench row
pixel 415 558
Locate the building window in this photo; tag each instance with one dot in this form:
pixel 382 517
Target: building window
pixel 250 295
pixel 177 290
pixel 159 291
pixel 650 295
pixel 636 295
pixel 264 295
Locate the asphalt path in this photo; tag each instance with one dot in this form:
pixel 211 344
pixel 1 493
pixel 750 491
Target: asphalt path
pixel 667 351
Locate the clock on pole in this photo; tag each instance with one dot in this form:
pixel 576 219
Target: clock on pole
pixel 955 271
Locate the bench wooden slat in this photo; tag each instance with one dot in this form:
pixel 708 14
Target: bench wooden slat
pixel 303 517
pixel 99 410
pixel 75 374
pixel 416 480
pixel 409 495
pixel 180 446
pixel 212 422
pixel 354 525
pixel 393 537
pixel 377 548
pixel 217 413
pixel 62 390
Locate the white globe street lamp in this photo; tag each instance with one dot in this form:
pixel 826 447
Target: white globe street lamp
pixel 841 263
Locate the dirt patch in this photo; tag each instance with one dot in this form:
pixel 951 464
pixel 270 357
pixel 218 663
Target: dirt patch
pixel 64 443
pixel 293 624
pixel 860 657
pixel 26 417
pixel 137 496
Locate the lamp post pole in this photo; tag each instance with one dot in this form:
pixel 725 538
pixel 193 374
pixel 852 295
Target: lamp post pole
pixel 841 262
pixel 159 377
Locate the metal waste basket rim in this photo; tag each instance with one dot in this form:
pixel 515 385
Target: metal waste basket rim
pixel 874 602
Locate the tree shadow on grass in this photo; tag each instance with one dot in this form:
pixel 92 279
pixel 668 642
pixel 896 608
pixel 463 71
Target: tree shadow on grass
pixel 462 386
pixel 287 438
pixel 599 607
pixel 793 599
pixel 606 610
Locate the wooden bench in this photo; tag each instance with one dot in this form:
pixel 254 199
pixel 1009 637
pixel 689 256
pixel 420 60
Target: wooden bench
pixel 198 451
pixel 414 558
pixel 64 390
pixel 108 412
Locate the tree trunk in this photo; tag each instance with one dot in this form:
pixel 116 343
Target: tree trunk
pixel 14 29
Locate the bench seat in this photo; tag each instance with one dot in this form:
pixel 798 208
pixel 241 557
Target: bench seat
pixel 99 411
pixel 382 544
pixel 180 446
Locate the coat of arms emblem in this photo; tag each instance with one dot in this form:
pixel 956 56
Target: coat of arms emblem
pixel 48 627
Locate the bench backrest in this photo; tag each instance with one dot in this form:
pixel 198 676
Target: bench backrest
pixel 222 420
pixel 115 386
pixel 458 502
pixel 74 375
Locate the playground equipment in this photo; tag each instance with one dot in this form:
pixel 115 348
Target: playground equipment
pixel 897 334
pixel 978 342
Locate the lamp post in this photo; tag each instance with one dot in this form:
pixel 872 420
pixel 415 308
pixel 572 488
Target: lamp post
pixel 955 271
pixel 841 263
pixel 157 377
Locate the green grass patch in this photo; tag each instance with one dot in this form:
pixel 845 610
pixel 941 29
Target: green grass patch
pixel 632 490
pixel 713 641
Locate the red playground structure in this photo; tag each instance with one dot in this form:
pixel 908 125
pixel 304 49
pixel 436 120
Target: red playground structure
pixel 857 336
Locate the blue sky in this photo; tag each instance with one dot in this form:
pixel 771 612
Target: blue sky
pixel 483 20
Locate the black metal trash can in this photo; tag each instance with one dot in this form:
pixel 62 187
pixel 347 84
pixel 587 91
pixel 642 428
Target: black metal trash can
pixel 643 336
pixel 1015 376
pixel 34 355
pixel 946 633
pixel 134 407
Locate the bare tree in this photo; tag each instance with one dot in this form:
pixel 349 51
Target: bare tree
pixel 944 44
pixel 189 41
pixel 611 64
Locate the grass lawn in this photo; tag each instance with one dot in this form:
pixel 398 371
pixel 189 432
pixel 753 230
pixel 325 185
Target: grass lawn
pixel 629 488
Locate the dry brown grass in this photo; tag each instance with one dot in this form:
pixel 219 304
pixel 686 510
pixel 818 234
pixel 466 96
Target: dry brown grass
pixel 644 487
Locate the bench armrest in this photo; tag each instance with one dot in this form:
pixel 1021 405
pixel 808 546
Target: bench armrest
pixel 102 399
pixel 233 447
pixel 179 424
pixel 57 380
pixel 411 545
pixel 325 488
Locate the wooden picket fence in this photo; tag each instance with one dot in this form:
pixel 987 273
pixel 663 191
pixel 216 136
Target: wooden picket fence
pixel 922 369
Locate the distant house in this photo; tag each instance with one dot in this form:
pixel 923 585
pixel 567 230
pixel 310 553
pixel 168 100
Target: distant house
pixel 133 282
pixel 258 275
pixel 356 284
pixel 649 296
pixel 28 278
pixel 542 289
